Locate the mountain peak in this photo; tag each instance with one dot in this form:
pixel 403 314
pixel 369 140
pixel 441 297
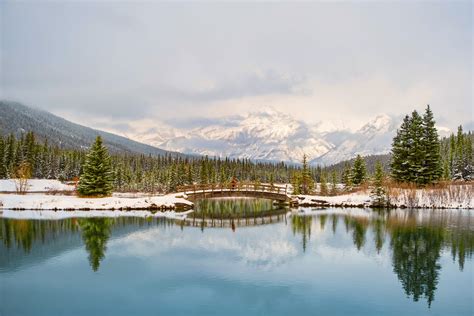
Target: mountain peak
pixel 381 123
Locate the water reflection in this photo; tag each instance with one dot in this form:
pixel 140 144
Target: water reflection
pixel 302 225
pixel 416 251
pixel 234 213
pixel 414 240
pixel 95 234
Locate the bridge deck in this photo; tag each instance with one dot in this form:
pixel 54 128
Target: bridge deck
pixel 266 191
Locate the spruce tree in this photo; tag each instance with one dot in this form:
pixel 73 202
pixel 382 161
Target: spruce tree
pixel 333 182
pixel 359 171
pixel 400 149
pixel 306 180
pixel 323 188
pixel 416 150
pixel 3 170
pixel 378 193
pixel 347 177
pixel 97 176
pixel 296 183
pixel 432 164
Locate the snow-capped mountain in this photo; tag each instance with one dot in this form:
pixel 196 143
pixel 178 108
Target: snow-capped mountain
pixel 263 135
pixel 268 134
pixel 372 138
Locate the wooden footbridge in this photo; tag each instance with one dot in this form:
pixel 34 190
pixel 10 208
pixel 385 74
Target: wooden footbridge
pixel 241 189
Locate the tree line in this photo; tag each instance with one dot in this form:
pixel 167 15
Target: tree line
pixel 129 172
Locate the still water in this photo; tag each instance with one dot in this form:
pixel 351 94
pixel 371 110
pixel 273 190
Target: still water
pixel 241 257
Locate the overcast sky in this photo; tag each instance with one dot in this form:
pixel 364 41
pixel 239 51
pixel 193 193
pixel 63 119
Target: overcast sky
pixel 111 63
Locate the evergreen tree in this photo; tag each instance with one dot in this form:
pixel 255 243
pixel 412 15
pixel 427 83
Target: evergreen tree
pixel 296 183
pixel 416 153
pixel 307 183
pixel 347 177
pixel 378 192
pixel 10 155
pixel 400 149
pixel 333 182
pixel 359 171
pixel 97 177
pixel 416 150
pixel 3 170
pixel 323 187
pixel 432 164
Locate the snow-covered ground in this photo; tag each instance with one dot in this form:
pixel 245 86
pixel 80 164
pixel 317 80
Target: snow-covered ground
pixel 36 185
pixel 64 202
pixel 453 196
pixel 53 215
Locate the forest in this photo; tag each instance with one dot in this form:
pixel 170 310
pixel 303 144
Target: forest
pixel 452 159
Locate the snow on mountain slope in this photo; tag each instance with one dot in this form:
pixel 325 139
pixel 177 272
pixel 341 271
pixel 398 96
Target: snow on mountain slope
pixel 268 134
pixel 263 135
pixel 373 138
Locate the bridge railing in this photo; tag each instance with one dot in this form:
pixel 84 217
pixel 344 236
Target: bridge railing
pixel 237 187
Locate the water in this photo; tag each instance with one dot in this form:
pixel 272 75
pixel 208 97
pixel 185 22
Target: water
pixel 333 262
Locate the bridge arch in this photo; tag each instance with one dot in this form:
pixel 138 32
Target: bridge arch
pixel 254 190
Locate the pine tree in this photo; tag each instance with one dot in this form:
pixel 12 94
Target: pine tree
pixel 323 187
pixel 97 177
pixel 378 193
pixel 359 171
pixel 416 153
pixel 307 183
pixel 296 183
pixel 10 155
pixel 333 182
pixel 347 177
pixel 3 170
pixel 400 150
pixel 432 165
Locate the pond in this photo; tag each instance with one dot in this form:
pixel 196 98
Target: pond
pixel 274 262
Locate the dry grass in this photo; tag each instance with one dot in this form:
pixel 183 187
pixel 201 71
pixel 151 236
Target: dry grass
pixel 437 195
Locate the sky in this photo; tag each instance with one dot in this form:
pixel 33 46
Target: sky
pixel 108 64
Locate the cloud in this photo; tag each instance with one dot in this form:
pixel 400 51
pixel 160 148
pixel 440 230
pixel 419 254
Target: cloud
pixel 170 62
pixel 244 85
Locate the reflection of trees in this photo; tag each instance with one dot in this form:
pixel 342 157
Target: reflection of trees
pixel 334 219
pixel 302 225
pixel 24 233
pixel 462 245
pixel 416 251
pixel 95 233
pixel 379 233
pixel 359 228
pixel 232 208
pixel 322 220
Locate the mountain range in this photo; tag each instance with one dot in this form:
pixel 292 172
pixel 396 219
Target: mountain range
pixel 271 135
pixel 266 135
pixel 17 118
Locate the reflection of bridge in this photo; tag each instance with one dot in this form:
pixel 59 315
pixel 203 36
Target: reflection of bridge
pixel 255 190
pixel 263 218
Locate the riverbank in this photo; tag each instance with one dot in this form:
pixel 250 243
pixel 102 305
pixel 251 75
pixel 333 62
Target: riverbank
pixel 451 196
pixel 41 201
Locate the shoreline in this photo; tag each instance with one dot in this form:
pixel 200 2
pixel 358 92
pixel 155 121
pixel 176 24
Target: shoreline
pixel 44 202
